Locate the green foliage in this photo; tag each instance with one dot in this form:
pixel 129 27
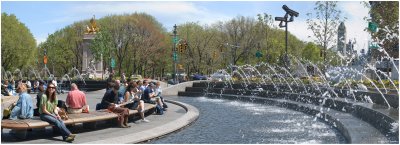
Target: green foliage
pixel 18 47
pixel 64 49
pixel 311 52
pixel 134 40
pixel 386 15
pixel 140 45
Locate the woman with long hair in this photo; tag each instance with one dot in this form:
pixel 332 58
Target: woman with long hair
pixel 132 93
pixel 49 112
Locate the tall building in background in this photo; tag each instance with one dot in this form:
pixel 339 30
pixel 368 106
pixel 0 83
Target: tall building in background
pixel 341 41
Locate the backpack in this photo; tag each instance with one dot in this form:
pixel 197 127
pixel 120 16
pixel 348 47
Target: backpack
pixel 7 111
pixel 159 110
pixel 61 104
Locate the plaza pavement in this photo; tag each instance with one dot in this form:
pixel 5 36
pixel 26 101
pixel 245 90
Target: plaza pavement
pixel 177 116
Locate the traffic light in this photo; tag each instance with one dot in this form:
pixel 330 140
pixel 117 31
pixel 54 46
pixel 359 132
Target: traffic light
pixel 215 54
pixel 186 46
pixel 180 48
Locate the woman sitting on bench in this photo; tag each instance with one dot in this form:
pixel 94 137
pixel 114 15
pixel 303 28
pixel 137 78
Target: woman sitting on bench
pixel 49 112
pixel 132 93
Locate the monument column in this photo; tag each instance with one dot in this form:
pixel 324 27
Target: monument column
pixel 89 64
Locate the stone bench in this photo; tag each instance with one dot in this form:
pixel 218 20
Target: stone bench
pixel 89 120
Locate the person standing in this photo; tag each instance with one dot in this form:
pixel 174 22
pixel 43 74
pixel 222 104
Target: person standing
pixel 54 81
pixel 29 85
pixel 123 78
pixel 49 112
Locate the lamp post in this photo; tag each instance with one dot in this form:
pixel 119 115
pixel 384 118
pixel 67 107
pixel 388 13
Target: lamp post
pixel 174 55
pixel 292 14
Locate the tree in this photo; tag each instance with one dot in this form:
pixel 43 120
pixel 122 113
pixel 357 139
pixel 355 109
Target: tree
pixel 311 52
pixel 18 47
pixel 265 25
pixel 135 41
pixel 241 38
pixel 324 25
pixel 386 15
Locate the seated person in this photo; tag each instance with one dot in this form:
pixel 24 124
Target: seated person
pixel 35 86
pixel 158 92
pixel 24 107
pixel 76 101
pixel 148 94
pixel 110 101
pixel 4 91
pixel 49 112
pixel 132 93
pixel 38 98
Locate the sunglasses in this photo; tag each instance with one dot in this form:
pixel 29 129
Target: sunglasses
pixel 52 87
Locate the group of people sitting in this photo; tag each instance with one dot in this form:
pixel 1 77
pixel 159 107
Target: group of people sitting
pixel 47 109
pixel 118 98
pixel 8 87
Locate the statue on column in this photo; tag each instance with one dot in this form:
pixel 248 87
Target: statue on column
pixel 92 29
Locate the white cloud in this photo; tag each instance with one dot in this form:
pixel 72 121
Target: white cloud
pixel 300 30
pixel 168 13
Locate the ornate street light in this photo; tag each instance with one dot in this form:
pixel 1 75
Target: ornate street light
pixel 285 19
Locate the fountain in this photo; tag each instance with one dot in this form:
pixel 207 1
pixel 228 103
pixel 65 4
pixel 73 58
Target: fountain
pixel 333 93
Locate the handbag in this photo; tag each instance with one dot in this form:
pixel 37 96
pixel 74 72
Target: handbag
pixel 7 111
pixel 63 114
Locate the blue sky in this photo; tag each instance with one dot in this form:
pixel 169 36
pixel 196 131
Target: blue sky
pixel 45 17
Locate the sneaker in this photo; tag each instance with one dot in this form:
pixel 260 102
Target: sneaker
pixel 70 138
pixel 127 125
pixel 123 126
pixel 145 120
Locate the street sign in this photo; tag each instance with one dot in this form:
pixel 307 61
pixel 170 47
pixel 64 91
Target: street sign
pixel 112 62
pixel 258 54
pixel 175 40
pixel 45 59
pixel 175 56
pixel 372 26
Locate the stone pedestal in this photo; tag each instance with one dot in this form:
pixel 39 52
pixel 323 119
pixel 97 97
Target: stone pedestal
pixel 88 62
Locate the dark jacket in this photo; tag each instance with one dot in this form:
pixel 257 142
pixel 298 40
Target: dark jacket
pixel 108 98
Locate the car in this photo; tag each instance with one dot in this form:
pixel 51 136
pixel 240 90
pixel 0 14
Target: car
pixel 221 75
pixel 199 77
pixel 136 77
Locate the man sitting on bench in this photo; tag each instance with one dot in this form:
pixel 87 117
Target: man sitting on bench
pixel 76 101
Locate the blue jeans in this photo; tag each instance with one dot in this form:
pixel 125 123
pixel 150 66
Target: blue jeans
pixel 58 123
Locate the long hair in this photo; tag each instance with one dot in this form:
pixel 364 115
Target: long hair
pixel 51 97
pixel 131 85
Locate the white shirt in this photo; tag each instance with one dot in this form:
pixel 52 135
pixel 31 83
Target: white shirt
pixel 54 82
pixel 28 83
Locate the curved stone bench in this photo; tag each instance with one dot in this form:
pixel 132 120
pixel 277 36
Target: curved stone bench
pixel 89 120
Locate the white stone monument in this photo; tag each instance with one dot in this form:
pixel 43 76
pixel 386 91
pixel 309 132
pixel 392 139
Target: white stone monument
pixel 91 67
